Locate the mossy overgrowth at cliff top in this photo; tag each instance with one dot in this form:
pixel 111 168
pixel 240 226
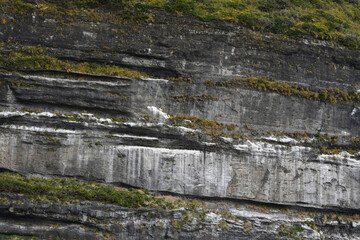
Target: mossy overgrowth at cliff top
pixel 337 20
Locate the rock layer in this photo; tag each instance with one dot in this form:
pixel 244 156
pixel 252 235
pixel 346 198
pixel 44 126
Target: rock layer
pixel 122 130
pixel 92 220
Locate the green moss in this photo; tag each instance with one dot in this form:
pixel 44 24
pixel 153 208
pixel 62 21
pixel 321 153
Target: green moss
pixel 69 189
pixel 182 221
pixel 21 7
pixel 264 84
pixel 292 231
pixel 52 140
pixel 247 225
pixel 337 149
pixel 16 237
pixel 31 110
pixel 35 58
pixel 336 20
pixel 312 225
pixel 212 128
pixel 22 84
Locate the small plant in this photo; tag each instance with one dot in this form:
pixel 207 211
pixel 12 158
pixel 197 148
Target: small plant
pixel 52 140
pixel 224 224
pixel 292 231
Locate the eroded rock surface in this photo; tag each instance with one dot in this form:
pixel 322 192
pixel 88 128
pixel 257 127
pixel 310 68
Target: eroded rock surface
pixel 124 131
pixel 91 220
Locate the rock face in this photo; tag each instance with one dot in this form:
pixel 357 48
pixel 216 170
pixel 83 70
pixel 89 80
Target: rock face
pixel 92 220
pixel 190 47
pixel 167 158
pixel 119 130
pixel 259 171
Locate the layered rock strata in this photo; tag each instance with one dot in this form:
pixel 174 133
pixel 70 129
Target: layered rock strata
pixel 231 143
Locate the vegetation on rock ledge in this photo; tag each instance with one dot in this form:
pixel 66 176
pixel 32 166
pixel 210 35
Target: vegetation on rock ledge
pixel 324 19
pixel 16 237
pixel 69 189
pixel 36 58
pixel 264 84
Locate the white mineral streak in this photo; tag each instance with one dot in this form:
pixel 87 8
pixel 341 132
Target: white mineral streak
pixel 271 139
pixel 85 116
pixel 227 140
pixel 271 217
pixel 186 130
pixel 342 157
pixel 38 129
pixel 158 113
pixel 355 110
pixel 91 35
pixel 154 79
pixel 11 114
pixel 137 124
pixel 20 114
pixel 213 218
pixel 287 140
pixel 208 144
pixel 62 80
pixel 136 137
pixel 282 139
pixel 355 224
pixel 46 114
pixel 262 147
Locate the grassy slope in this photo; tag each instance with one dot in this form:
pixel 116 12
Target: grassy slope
pixel 69 189
pixel 337 20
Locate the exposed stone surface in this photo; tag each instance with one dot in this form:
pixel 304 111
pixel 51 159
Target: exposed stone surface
pixel 91 220
pixel 190 47
pixel 122 133
pixel 245 169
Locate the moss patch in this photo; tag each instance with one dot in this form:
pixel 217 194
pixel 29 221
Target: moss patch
pixel 292 231
pixel 69 189
pixel 264 84
pixel 16 237
pixel 324 19
pixel 36 58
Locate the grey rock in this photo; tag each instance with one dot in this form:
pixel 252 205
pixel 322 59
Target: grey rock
pixel 146 151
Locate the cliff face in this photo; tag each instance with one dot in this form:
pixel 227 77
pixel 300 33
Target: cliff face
pixel 91 220
pixel 190 137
